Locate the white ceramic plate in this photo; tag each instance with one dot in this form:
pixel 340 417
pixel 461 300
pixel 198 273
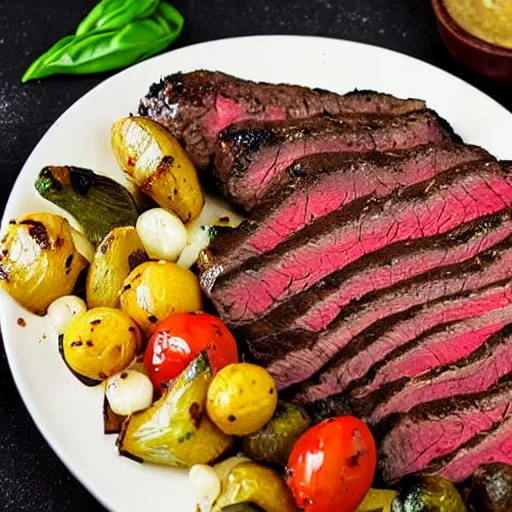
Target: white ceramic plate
pixel 69 414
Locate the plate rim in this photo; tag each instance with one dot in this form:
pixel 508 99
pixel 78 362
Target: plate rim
pixel 35 411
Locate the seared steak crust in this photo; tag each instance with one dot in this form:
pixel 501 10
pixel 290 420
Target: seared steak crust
pixel 196 106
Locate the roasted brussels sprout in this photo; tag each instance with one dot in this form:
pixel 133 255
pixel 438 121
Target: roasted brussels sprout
pixel 100 343
pixel 117 255
pixel 98 203
pixel 274 442
pixel 157 289
pixel 153 158
pixel 39 262
pixel 491 488
pixel 377 500
pixel 242 399
pixel 257 484
pixel 425 493
pixel 175 430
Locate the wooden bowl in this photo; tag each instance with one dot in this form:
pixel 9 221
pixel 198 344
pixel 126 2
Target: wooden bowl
pixel 485 58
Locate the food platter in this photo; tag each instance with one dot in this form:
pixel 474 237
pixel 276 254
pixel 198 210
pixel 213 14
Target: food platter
pixel 69 414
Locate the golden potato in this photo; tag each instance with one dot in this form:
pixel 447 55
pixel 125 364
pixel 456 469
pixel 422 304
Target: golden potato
pixel 101 343
pixel 242 399
pixel 157 289
pixel 118 254
pixel 153 158
pixel 39 261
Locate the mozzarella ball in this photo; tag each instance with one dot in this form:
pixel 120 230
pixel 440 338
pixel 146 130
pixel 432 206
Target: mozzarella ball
pixel 63 310
pixel 128 392
pixel 205 483
pixel 162 233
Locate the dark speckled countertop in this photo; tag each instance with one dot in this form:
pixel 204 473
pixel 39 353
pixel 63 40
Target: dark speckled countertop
pixel 31 477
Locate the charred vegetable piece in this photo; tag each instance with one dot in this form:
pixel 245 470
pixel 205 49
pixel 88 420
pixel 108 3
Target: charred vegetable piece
pixel 491 488
pixel 275 441
pixel 112 422
pixel 39 261
pixel 117 255
pixel 243 507
pixel 175 430
pixel 427 494
pixel 98 203
pixel 157 289
pixel 153 158
pixel 101 343
pixel 254 483
pixel 377 500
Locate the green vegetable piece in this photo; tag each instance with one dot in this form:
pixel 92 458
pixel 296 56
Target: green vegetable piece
pixel 103 51
pixel 98 203
pixel 175 430
pixel 425 493
pixel 275 441
pixel 491 488
pixel 115 14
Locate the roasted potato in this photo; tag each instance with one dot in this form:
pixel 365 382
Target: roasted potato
pixel 175 430
pixel 39 261
pixel 242 399
pixel 153 158
pixel 101 343
pixel 117 255
pixel 157 289
pixel 253 483
pixel 275 441
pixel 424 492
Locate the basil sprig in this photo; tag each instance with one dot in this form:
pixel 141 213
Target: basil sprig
pixel 115 34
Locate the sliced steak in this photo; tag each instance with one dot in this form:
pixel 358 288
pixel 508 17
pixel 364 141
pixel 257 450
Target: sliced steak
pixel 323 183
pixel 475 373
pixel 412 441
pixel 356 350
pixel 440 297
pixel 252 157
pixel 338 239
pixel 494 445
pixel 196 106
pixel 316 308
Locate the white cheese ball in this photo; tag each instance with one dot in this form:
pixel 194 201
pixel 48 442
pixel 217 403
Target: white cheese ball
pixel 162 233
pixel 205 484
pixel 128 392
pixel 65 309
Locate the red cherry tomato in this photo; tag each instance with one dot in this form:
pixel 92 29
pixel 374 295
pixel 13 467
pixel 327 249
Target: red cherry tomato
pixel 332 465
pixel 180 338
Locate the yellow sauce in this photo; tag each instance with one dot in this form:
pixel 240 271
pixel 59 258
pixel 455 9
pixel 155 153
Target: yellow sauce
pixel 489 20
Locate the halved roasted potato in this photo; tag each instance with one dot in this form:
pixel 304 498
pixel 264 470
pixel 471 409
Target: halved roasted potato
pixel 153 158
pixel 39 261
pixel 117 255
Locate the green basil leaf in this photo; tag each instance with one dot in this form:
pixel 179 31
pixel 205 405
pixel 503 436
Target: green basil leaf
pixel 39 63
pixel 103 51
pixel 114 14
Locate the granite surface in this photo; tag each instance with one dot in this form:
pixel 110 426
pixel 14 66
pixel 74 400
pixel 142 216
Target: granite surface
pixel 31 476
